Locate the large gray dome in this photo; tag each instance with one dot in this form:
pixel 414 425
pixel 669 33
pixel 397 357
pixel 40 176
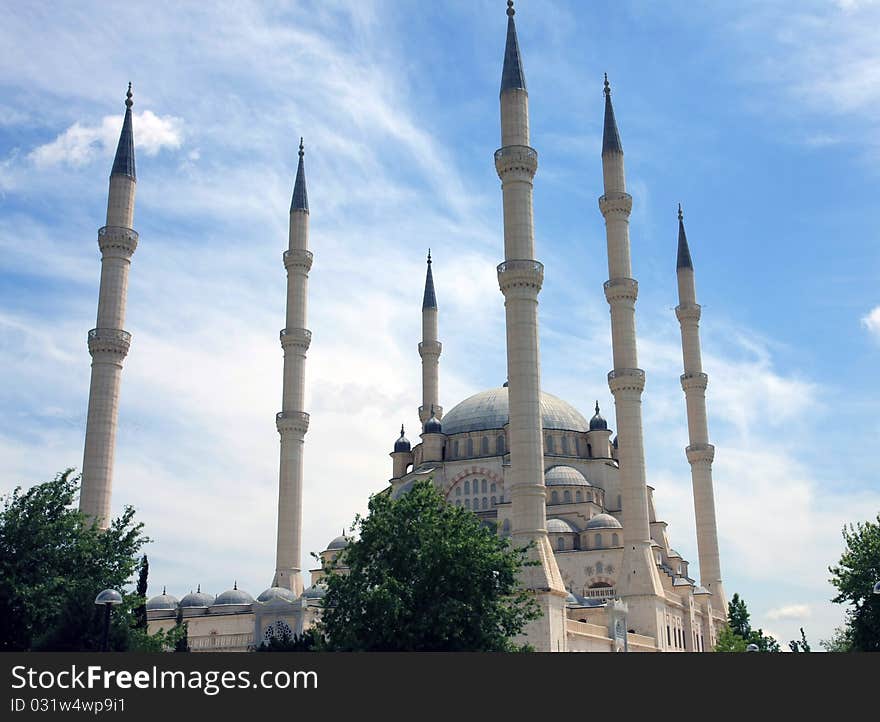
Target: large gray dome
pixel 603 521
pixel 277 593
pixel 234 596
pixel 491 410
pixel 562 475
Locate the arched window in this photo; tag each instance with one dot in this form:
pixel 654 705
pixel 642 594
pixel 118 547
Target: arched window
pixel 560 543
pixel 458 502
pixel 565 445
pixel 458 491
pixel 589 496
pixel 598 541
pixel 576 542
pixel 492 488
pixel 483 485
pixel 499 445
pixel 578 496
pixel 484 446
pixel 470 448
pixel 550 449
pixel 455 449
pixel 467 487
pixel 619 507
pixel 505 527
pixel 566 496
pixel 494 500
pixel 590 450
pixel 614 540
pixel 467 503
pixel 554 497
pixel 599 568
pixel 485 503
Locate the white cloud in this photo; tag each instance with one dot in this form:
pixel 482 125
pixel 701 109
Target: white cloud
pixel 789 611
pixel 871 321
pixel 81 144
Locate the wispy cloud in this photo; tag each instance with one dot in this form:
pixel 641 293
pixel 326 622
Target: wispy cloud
pixel 789 611
pixel 871 321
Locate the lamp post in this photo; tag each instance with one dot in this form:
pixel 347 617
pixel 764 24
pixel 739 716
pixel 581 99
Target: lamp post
pixel 876 587
pixel 753 648
pixel 109 598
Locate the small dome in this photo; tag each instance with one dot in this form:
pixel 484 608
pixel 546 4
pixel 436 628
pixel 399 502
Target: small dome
pixel 339 542
pixel 433 425
pixel 197 599
pixel 402 444
pixel 603 521
pixel 597 423
pixel 234 596
pixel 316 591
pixel 673 553
pixel 162 602
pixel 276 593
pixel 560 526
pixel 564 476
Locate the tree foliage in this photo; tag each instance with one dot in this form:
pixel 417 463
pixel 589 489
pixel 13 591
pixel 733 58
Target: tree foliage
pixel 854 577
pixel 308 641
pixel 739 633
pixel 52 565
pixel 424 575
pixel 800 645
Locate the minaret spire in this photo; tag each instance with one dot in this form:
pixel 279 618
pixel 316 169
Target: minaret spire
pixel 638 580
pixel 430 349
pixel 520 277
pixel 109 342
pixel 700 453
pixel 293 422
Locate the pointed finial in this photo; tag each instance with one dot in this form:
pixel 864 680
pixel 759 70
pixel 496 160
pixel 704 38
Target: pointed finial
pixel 163 590
pixel 128 101
pixel 610 135
pixel 597 406
pixel 680 214
pixel 235 585
pixel 301 151
pixel 684 251
pixel 199 589
pixel 607 90
pixel 510 11
pixel 401 431
pixel 429 255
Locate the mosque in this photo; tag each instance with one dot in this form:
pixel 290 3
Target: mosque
pixel 519 458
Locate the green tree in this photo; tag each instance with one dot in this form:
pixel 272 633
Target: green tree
pixel 424 576
pixel 854 577
pixel 739 632
pixel 306 642
pixel 181 630
pixel 140 611
pixel 841 640
pixel 53 563
pixel 800 645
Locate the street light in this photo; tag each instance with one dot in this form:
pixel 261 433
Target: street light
pixel 876 587
pixel 109 598
pixel 752 648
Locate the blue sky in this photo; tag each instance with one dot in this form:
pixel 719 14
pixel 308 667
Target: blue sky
pixel 761 118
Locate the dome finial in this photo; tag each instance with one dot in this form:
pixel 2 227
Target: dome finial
pixel 429 255
pixel 597 406
pixel 128 101
pixel 301 150
pixel 510 11
pixel 607 90
pixel 401 431
pixel 680 214
pixel 235 585
pixel 199 589
pixel 163 590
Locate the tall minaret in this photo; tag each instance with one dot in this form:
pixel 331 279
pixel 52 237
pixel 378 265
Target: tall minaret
pixel 429 350
pixel 520 278
pixel 700 453
pixel 292 421
pixel 108 342
pixel 638 580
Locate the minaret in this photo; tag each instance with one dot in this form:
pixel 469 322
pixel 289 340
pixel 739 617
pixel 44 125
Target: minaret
pixel 108 342
pixel 638 580
pixel 292 422
pixel 520 278
pixel 429 350
pixel 700 453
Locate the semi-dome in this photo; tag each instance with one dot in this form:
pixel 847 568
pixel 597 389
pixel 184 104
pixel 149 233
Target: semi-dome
pixel 276 593
pixel 598 423
pixel 316 591
pixel 197 599
pixel 234 596
pixel 402 444
pixel 673 553
pixel 603 521
pixel 491 410
pixel 560 526
pixel 162 602
pixel 564 476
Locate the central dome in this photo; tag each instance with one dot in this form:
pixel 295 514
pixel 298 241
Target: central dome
pixel 491 410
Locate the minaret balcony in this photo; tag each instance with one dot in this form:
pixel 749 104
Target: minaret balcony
pixel 118 239
pixel 616 205
pixel 430 348
pixel 298 258
pixel 109 340
pixel 691 381
pixel 292 421
pixel 688 312
pixel 626 380
pixel 297 337
pixel 700 453
pixel 519 158
pixel 621 288
pixel 522 273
